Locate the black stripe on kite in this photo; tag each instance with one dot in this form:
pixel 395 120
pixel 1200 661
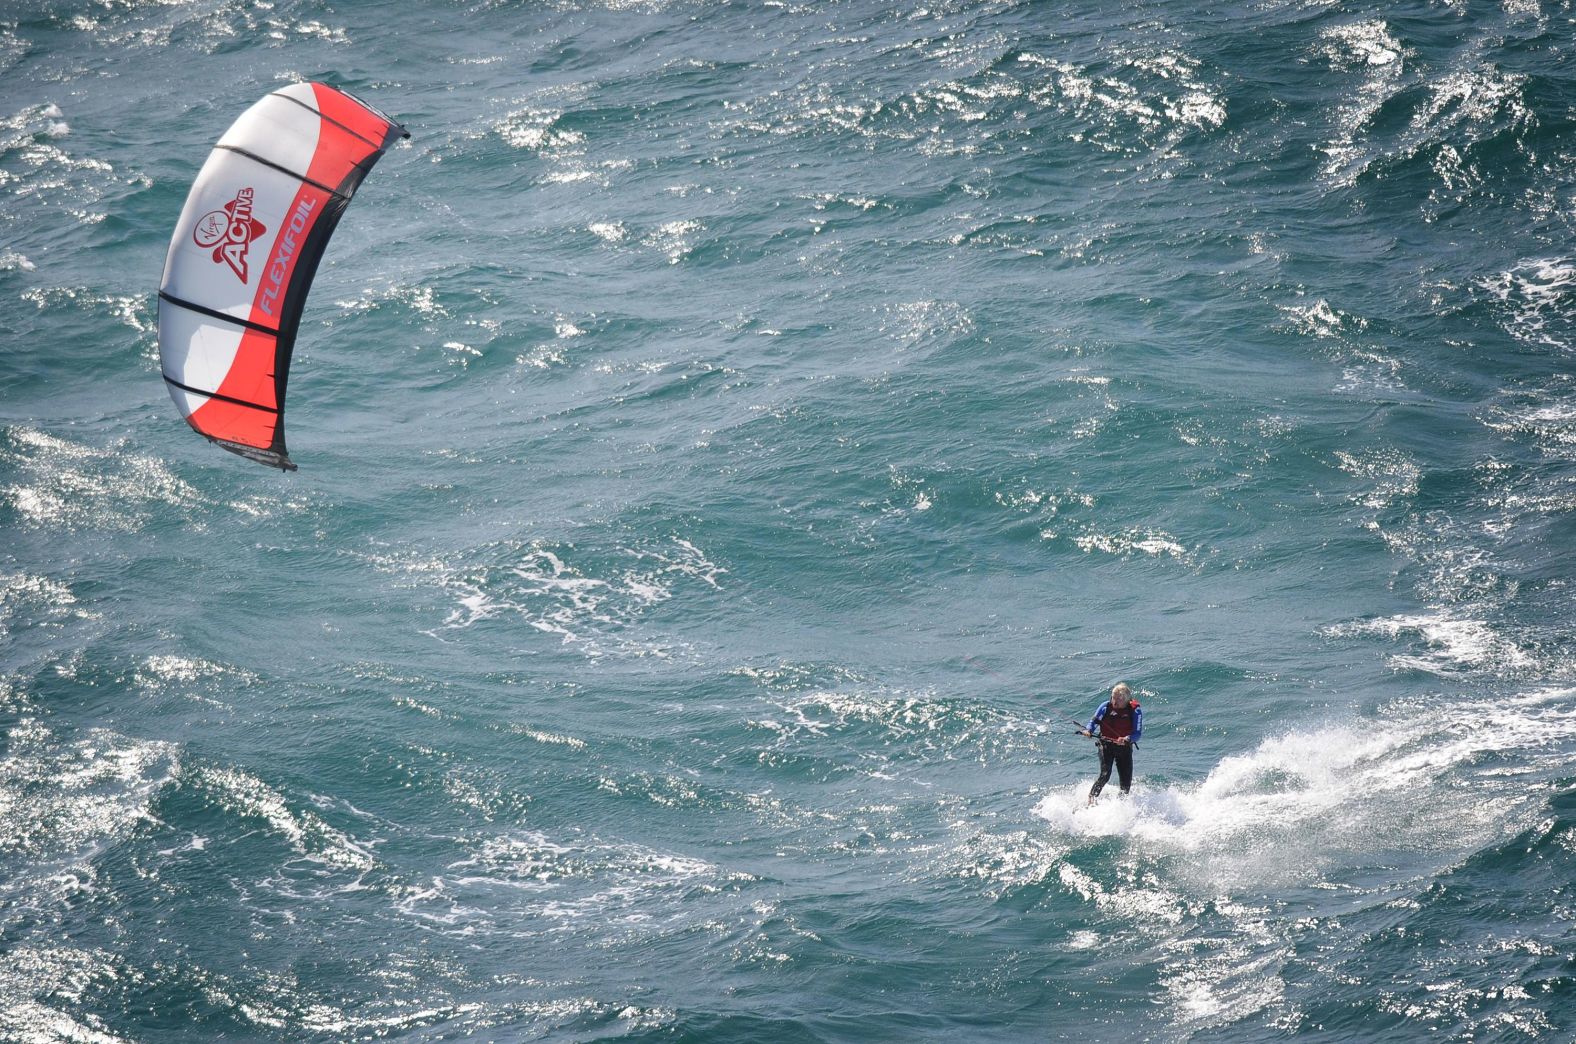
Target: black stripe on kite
pixel 255 158
pixel 213 313
pixel 215 395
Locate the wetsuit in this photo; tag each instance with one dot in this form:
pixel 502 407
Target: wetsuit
pixel 1110 725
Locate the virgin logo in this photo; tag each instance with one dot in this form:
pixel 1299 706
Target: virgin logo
pixel 230 232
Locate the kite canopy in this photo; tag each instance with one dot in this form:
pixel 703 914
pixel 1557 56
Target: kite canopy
pixel 244 253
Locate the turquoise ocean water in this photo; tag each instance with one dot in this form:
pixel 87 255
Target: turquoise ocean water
pixel 735 439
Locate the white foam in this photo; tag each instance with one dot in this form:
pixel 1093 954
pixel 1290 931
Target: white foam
pixel 537 130
pixel 573 176
pixel 316 30
pixel 1537 295
pixel 901 714
pixel 422 300
pixel 128 309
pixel 1453 642
pixel 1368 47
pixel 540 736
pixel 1147 542
pixel 1320 320
pixel 1300 803
pixel 555 885
pixel 60 798
pixel 1467 101
pixel 554 596
pixel 1215 981
pixel 912 322
pixel 245 795
pixel 34 599
pixel 1004 862
pixel 1167 94
pixel 30 974
pixel 1473 96
pixel 1367 43
pixel 57 483
pixel 1395 473
pixel 673 238
pixel 1551 425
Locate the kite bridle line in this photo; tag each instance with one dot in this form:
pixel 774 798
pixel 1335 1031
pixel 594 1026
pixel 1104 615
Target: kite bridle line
pixel 1081 726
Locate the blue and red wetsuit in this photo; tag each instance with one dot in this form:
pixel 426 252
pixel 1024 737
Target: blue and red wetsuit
pixel 1109 725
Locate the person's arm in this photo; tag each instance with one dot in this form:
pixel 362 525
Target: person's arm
pixel 1138 726
pixel 1094 722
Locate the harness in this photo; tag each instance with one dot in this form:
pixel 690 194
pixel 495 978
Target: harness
pixel 1117 724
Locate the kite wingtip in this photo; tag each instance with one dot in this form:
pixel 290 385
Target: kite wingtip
pixel 271 457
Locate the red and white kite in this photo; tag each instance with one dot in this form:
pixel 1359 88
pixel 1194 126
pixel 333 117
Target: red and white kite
pixel 244 253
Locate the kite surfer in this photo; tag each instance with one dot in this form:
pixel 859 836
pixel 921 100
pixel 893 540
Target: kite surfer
pixel 1117 726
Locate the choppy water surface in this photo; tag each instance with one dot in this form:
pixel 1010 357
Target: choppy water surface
pixel 734 440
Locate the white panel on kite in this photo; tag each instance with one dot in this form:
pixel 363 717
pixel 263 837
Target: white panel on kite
pixel 202 348
pixel 277 130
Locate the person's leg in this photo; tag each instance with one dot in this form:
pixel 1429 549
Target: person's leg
pixel 1124 766
pixel 1106 758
